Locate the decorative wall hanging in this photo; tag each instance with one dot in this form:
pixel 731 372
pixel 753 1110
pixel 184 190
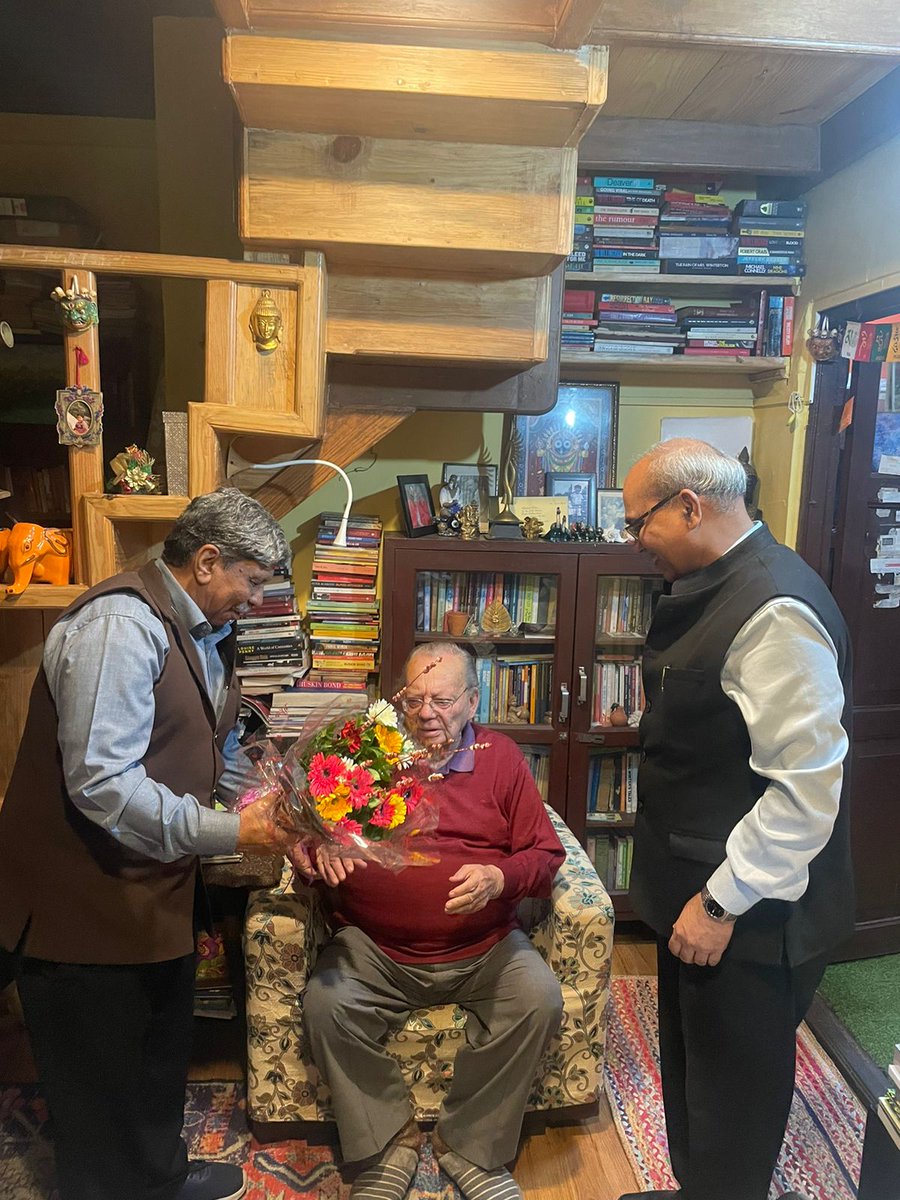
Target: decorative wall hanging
pixel 823 342
pixel 79 308
pixel 577 435
pixel 266 323
pixel 79 410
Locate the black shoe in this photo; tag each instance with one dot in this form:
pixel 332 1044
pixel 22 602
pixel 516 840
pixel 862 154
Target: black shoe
pixel 212 1181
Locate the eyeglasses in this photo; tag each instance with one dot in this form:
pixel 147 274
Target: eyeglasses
pixel 412 704
pixel 633 527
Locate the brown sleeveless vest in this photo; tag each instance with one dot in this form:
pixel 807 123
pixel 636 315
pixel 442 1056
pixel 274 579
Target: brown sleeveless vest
pixel 69 892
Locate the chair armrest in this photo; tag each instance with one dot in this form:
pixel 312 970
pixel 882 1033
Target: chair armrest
pixel 283 930
pixel 577 935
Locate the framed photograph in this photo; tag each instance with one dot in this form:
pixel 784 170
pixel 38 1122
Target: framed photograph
pixel 468 483
pixel 581 492
pixel 79 416
pixel 417 505
pixel 578 435
pixel 611 511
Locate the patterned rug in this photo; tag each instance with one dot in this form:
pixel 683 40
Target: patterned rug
pixel 822 1149
pixel 216 1128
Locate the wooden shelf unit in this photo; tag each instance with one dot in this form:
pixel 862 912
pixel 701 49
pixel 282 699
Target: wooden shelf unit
pixel 701 286
pixel 608 365
pixel 569 739
pixel 511 95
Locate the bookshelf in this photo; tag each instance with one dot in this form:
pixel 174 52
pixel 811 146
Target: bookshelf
pixel 758 370
pixel 586 608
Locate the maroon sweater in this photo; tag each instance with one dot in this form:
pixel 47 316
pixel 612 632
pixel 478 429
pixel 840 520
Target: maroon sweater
pixel 490 812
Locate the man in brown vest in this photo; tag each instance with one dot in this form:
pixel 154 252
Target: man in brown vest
pixel 130 734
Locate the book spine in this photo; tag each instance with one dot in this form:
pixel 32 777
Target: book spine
pixel 623 183
pixel 761 321
pixel 787 327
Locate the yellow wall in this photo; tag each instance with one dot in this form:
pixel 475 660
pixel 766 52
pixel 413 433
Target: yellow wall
pixel 853 249
pixel 105 164
pixel 426 440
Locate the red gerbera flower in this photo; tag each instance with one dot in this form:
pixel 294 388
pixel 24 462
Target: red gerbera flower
pixel 349 825
pixel 360 782
pixel 324 772
pixel 351 737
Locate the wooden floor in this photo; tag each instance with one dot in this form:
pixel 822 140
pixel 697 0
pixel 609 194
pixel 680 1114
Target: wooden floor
pixel 583 1162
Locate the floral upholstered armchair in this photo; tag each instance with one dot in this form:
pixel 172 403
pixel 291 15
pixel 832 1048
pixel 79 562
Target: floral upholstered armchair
pixel 283 933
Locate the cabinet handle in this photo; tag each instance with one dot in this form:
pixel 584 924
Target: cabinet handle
pixel 563 702
pixel 582 685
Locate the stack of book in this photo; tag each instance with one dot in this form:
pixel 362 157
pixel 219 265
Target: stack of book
pixel 727 330
pixel 626 215
pixel 617 680
pixel 777 332
pixel 514 689
pixel 636 325
pixel 342 611
pixel 611 855
pixel 538 760
pixel 624 605
pixel 770 237
pixel 578 319
pixel 529 599
pixel 612 785
pixel 291 708
pixel 272 646
pixel 695 235
pixel 581 257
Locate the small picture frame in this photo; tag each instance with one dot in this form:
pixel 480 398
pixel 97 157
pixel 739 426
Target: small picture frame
pixel 79 416
pixel 611 511
pixel 581 491
pixel 469 483
pixel 417 505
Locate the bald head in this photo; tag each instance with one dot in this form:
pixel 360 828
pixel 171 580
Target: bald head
pixel 701 512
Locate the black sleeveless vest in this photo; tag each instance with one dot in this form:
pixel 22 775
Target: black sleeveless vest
pixel 695 782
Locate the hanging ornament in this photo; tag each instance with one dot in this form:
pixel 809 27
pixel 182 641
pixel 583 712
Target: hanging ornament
pixel 823 342
pixel 79 410
pixel 79 309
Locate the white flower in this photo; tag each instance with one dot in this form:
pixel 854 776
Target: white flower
pixel 383 712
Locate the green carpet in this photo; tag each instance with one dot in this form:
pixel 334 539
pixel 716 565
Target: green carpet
pixel 865 996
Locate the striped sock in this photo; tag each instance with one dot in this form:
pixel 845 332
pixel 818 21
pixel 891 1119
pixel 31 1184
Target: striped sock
pixel 389 1178
pixel 477 1184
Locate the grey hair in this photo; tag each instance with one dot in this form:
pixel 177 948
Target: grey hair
pixel 237 524
pixel 435 650
pixel 685 463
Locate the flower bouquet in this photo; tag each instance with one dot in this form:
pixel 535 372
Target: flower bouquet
pixel 354 785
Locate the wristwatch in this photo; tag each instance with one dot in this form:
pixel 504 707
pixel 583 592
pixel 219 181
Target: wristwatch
pixel 714 909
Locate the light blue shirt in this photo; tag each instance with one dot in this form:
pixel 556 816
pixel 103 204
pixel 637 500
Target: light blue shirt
pixel 102 663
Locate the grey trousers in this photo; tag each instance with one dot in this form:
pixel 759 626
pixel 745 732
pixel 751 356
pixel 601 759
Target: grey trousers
pixel 357 995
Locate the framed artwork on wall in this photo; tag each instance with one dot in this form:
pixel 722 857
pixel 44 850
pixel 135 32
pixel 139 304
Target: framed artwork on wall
pixel 469 483
pixel 578 435
pixel 581 492
pixel 417 505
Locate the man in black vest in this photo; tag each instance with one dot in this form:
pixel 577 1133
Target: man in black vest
pixel 130 730
pixel 741 846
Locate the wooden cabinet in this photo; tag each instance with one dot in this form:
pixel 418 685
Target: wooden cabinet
pixel 579 613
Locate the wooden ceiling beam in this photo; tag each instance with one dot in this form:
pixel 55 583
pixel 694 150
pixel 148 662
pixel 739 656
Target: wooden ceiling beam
pixel 766 24
pixel 701 145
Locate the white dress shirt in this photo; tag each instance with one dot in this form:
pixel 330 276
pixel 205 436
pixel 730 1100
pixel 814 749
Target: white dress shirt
pixel 781 671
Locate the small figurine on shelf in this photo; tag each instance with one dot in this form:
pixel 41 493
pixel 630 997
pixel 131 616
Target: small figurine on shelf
pixel 618 716
pixel 448 522
pixel 132 472
pixel 468 522
pixel 79 308
pixel 554 533
pixel 518 714
pixel 495 618
pixel 533 528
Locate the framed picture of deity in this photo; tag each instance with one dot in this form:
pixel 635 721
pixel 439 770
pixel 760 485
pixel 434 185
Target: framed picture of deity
pixel 576 437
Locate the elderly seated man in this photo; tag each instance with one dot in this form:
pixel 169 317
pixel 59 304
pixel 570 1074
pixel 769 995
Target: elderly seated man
pixel 441 934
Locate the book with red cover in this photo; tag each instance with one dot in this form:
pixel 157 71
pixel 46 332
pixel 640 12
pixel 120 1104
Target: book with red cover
pixel 787 327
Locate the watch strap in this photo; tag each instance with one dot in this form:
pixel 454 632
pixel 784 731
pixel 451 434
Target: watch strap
pixel 714 909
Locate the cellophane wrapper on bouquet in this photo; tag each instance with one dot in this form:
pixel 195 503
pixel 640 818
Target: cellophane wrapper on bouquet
pixel 355 785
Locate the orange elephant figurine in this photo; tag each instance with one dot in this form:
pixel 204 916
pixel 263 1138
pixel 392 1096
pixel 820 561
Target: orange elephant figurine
pixel 30 553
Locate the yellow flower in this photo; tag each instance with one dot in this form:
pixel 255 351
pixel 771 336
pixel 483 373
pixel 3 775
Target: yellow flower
pixel 390 740
pixel 333 807
pixel 398 805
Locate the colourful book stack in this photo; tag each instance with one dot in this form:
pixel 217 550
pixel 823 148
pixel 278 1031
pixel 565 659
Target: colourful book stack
pixel 343 612
pixel 578 319
pixel 626 216
pixel 722 330
pixel 272 645
pixel 695 234
pixel 632 324
pixel 581 255
pixel 770 238
pixel 612 786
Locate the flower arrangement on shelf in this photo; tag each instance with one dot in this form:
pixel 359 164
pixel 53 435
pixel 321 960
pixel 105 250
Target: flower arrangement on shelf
pixel 132 472
pixel 356 785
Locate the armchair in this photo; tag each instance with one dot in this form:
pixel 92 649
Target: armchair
pixel 283 932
